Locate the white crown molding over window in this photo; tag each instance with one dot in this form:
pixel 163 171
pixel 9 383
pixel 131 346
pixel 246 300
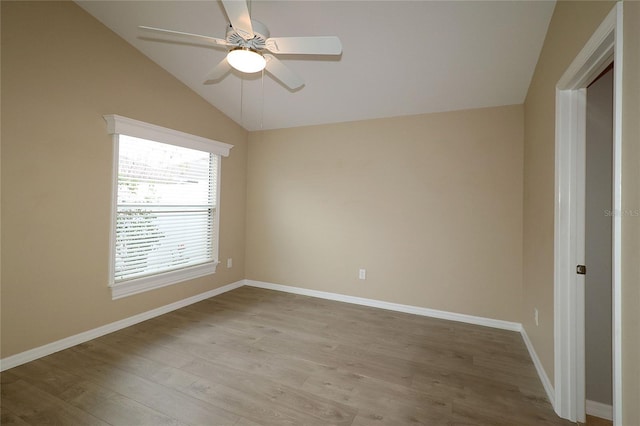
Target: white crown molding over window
pixel 117 124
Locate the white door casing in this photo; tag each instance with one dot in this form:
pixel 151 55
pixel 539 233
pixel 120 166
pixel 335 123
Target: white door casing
pixel 604 46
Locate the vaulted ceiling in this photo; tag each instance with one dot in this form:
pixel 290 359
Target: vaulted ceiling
pixel 399 58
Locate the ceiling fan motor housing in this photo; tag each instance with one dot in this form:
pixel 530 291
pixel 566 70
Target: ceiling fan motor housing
pixel 260 31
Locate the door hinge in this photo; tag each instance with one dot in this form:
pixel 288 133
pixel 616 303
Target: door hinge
pixel 581 270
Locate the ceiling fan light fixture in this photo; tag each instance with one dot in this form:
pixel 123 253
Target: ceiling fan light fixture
pixel 246 60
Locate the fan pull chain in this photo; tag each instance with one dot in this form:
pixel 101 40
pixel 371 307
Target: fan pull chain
pixel 241 102
pixel 262 106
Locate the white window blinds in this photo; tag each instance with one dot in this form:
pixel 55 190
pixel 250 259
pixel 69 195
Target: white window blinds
pixel 166 208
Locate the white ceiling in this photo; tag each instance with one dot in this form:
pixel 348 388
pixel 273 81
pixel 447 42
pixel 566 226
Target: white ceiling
pixel 399 58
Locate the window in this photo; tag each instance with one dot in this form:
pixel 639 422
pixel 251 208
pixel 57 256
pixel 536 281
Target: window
pixel 165 207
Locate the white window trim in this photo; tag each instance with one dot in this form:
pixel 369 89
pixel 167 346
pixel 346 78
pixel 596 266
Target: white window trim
pixel 117 124
pixel 122 125
pixel 140 285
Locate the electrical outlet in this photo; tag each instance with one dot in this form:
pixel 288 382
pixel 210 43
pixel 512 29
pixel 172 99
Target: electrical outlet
pixel 535 316
pixel 229 262
pixel 362 274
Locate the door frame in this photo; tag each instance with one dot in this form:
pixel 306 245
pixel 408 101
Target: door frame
pixel 604 46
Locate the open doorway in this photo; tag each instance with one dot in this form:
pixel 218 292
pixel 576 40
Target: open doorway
pixel 598 249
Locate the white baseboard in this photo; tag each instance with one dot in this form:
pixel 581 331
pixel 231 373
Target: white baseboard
pixel 48 349
pixel 598 409
pixel 546 383
pixel 416 310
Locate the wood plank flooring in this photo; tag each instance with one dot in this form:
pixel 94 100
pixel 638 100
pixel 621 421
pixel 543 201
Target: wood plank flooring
pixel 597 421
pixel 257 357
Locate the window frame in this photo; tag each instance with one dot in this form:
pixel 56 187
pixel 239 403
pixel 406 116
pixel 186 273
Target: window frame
pixel 118 125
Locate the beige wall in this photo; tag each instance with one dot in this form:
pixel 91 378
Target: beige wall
pixel 571 26
pixel 62 70
pixel 631 223
pixel 430 205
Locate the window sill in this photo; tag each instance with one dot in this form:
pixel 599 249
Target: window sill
pixel 140 285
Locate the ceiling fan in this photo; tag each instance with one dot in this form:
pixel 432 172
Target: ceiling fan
pixel 251 49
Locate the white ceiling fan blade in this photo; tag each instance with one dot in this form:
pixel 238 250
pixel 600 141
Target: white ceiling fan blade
pixel 324 45
pixel 198 37
pixel 238 14
pixel 282 73
pixel 219 71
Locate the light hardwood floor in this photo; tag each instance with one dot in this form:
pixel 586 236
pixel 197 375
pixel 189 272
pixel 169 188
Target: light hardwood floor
pixel 597 421
pixel 258 357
